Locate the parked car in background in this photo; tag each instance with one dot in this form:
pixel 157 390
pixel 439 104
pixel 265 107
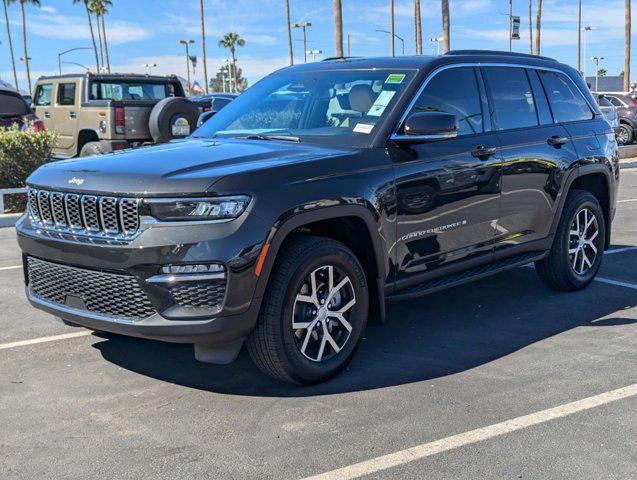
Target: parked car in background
pixel 27 98
pixel 15 111
pixel 94 114
pixel 212 103
pixel 626 106
pixel 609 111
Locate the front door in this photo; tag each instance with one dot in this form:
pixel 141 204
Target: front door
pixel 448 190
pixel 64 117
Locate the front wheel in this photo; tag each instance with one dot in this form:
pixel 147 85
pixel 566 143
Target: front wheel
pixel 578 247
pixel 313 314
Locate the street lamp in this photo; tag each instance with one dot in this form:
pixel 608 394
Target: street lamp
pixel 437 40
pixel 78 65
pixel 149 67
pixel 396 36
pixel 597 59
pixel 68 51
pixel 303 25
pixel 314 53
pixel 187 43
pixel 586 29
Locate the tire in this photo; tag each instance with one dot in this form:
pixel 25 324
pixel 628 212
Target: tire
pixel 92 149
pixel 625 135
pixel 558 270
pixel 168 111
pixel 275 347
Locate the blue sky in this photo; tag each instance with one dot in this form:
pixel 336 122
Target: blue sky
pixel 146 31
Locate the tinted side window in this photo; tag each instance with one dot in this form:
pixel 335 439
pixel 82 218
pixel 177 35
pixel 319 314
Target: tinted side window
pixel 12 105
pixel 541 103
pixel 454 91
pixel 43 95
pixel 66 94
pixel 615 101
pixel 566 101
pixel 513 101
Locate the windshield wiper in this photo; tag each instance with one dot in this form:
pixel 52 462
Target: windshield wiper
pixel 285 138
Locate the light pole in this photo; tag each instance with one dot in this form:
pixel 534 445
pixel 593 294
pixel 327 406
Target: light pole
pixel 78 65
pixel 149 67
pixel 303 25
pixel 314 53
pixel 394 35
pixel 391 24
pixel 510 25
pixel 187 43
pixel 597 59
pixel 437 41
pixel 586 30
pixel 68 51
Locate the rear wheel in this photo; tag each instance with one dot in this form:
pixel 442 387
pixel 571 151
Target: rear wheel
pixel 314 312
pixel 578 247
pixel 91 149
pixel 625 134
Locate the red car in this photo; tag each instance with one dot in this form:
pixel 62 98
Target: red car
pixel 14 110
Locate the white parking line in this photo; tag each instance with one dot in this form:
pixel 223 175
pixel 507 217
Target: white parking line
pixel 53 338
pixel 12 267
pixel 619 250
pixel 615 282
pixel 626 201
pixel 408 455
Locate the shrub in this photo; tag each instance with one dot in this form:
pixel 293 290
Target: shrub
pixel 20 154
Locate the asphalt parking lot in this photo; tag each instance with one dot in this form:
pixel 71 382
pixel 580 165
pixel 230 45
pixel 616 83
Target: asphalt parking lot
pixel 501 378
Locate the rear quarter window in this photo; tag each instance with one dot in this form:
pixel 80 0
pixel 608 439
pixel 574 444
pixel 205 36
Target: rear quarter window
pixel 66 94
pixel 566 100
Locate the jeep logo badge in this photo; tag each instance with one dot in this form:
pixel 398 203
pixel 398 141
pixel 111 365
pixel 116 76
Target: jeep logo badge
pixel 77 181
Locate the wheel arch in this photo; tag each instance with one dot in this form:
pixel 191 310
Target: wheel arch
pixel 359 233
pixel 84 136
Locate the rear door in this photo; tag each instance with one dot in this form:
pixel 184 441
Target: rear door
pixel 42 102
pixel 447 192
pixel 64 115
pixel 536 153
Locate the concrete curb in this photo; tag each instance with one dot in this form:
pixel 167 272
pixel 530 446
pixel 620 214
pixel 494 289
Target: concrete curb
pixel 8 220
pixel 628 151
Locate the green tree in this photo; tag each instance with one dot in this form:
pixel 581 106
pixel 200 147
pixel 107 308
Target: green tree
pixel 35 3
pixel 99 7
pixel 601 72
pixel 231 41
pixel 219 83
pixel 90 26
pixel 6 18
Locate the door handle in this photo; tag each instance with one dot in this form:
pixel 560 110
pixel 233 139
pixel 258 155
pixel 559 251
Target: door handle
pixel 47 114
pixel 483 152
pixel 556 141
pixel 72 115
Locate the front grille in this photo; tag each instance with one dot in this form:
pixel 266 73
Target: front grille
pixel 109 294
pixel 202 294
pixel 98 216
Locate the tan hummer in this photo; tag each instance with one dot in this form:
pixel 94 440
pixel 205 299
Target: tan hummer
pixel 99 113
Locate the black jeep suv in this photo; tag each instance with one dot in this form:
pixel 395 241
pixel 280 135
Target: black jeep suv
pixel 291 217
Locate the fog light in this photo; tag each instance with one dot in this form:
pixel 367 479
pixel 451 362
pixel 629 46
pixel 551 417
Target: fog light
pixel 189 273
pixel 198 268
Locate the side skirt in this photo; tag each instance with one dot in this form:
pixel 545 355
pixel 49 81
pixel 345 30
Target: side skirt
pixel 466 276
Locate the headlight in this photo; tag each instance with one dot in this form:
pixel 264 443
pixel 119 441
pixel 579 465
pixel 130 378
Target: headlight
pixel 213 208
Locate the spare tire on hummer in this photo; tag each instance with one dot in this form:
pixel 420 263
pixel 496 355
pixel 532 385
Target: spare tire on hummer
pixel 172 117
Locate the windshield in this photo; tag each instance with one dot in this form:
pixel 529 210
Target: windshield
pixel 131 91
pixel 337 107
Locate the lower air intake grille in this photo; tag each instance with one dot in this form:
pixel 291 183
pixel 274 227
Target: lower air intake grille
pixel 109 294
pixel 195 295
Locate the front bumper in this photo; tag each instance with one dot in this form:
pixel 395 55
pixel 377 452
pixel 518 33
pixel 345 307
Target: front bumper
pixel 235 245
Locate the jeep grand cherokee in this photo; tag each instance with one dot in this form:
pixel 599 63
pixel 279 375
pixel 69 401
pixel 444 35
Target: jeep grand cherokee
pixel 289 219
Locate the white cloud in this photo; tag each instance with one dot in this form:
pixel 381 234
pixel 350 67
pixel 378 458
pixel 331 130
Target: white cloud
pixel 47 9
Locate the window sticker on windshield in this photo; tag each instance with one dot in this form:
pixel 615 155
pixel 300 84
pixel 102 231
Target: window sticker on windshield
pixel 395 78
pixel 363 128
pixel 381 103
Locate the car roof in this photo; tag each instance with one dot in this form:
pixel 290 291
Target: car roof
pixel 112 76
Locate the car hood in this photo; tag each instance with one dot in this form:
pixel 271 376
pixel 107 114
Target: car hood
pixel 181 167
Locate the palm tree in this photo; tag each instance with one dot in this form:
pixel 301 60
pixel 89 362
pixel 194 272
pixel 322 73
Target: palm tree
pixel 289 27
pixel 203 46
pixel 338 27
pixel 6 18
pixel 90 26
pixel 35 3
pixel 627 48
pixel 538 27
pixel 445 25
pixel 531 27
pixel 579 36
pixel 231 41
pixel 104 11
pixel 98 7
pixel 99 31
pixel 418 27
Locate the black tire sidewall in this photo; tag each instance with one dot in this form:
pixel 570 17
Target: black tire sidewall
pixel 583 200
pixel 302 369
pixel 92 148
pixel 628 129
pixel 165 112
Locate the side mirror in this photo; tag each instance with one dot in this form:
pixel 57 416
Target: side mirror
pixel 204 117
pixel 428 126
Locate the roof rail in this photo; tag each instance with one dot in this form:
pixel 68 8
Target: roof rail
pixel 496 52
pixel 338 58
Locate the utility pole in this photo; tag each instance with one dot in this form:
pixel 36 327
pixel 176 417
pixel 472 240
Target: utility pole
pixel 391 26
pixel 579 36
pixel 597 59
pixel 510 25
pixel 348 46
pixel 586 29
pixel 187 43
pixel 303 26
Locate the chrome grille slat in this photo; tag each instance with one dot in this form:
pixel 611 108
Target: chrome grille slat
pixel 101 217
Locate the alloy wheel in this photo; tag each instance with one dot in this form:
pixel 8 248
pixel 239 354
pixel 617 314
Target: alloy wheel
pixel 583 241
pixel 623 136
pixel 323 312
